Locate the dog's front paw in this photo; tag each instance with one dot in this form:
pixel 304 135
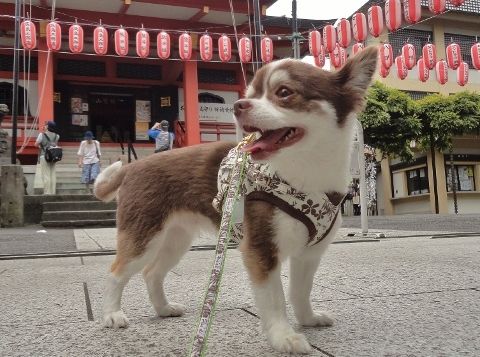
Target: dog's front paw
pixel 289 341
pixel 116 319
pixel 320 319
pixel 171 310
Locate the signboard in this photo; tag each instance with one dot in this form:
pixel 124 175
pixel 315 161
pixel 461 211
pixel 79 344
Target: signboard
pixel 211 113
pixel 142 112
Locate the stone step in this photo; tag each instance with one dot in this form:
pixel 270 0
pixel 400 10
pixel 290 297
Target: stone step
pixel 79 206
pixel 71 191
pixel 68 198
pixel 78 215
pixel 70 185
pixel 80 223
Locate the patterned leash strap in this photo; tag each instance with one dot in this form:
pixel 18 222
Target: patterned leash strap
pixel 199 344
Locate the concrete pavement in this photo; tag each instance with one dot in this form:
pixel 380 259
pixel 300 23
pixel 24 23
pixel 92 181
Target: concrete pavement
pixel 391 297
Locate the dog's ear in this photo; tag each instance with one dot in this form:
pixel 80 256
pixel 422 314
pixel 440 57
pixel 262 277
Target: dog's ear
pixel 355 76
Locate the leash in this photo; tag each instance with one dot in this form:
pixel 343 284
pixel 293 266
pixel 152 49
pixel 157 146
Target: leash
pixel 199 344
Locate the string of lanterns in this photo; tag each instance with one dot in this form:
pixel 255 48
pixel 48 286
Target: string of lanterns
pixel 28 36
pixel 336 40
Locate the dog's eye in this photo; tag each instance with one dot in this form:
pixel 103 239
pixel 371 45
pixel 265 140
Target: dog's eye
pixel 283 92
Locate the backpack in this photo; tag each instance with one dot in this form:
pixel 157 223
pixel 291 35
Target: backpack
pixel 162 141
pixel 53 153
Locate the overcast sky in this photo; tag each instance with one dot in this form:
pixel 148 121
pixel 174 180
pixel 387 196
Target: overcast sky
pixel 316 9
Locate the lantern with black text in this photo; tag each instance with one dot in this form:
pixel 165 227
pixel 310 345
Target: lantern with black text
pixel 386 55
pixel 429 55
pixel 462 74
pixel 314 42
pixel 344 33
pixel 121 42
pixel 75 38
pixel 436 6
pixel 423 71
pixel 412 9
pixel 441 71
pixel 393 14
pixel 359 27
pixel 375 20
pixel 409 55
pixel 343 56
pixel 224 48
pixel 329 38
pixel 163 45
pixel 475 52
pixel 28 33
pixel 457 2
pixel 206 47
pixel 402 70
pixel 357 47
pixel 143 43
pixel 54 36
pixel 100 40
pixel 454 55
pixel 266 49
pixel 384 72
pixel 245 49
pixel 320 59
pixel 185 46
pixel 335 59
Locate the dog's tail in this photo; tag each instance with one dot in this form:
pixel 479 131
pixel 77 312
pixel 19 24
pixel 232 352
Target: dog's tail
pixel 108 182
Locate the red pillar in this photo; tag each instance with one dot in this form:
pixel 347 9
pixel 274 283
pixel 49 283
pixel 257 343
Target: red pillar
pixel 45 82
pixel 190 91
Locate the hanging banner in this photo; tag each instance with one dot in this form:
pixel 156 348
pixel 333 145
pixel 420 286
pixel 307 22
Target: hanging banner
pixel 100 40
pixel 142 43
pixel 75 38
pixel 163 45
pixel 28 34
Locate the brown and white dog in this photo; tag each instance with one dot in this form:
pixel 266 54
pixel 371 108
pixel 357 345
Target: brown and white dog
pixel 306 117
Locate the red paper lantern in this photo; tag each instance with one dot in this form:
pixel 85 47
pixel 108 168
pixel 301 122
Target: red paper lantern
pixel 75 38
pixel 412 9
pixel 335 59
pixel 441 70
pixel 100 40
pixel 384 72
pixel 320 59
pixel 475 52
pixel 314 42
pixel 437 6
pixel 454 55
pixel 429 55
pixel 163 45
pixel 245 49
pixel 28 33
pixel 121 42
pixel 375 20
pixel 402 70
pixel 357 47
pixel 423 71
pixel 393 14
pixel 54 36
pixel 359 26
pixel 343 56
pixel 409 55
pixel 266 49
pixel 185 46
pixel 329 38
pixel 386 55
pixel 344 33
pixel 224 48
pixel 206 47
pixel 462 74
pixel 457 2
pixel 143 43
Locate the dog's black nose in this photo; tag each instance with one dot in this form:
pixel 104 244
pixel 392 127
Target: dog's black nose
pixel 240 106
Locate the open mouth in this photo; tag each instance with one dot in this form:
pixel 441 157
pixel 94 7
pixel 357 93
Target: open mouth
pixel 271 141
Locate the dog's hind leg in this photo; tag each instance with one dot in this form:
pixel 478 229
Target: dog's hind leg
pixel 302 271
pixel 123 268
pixel 175 244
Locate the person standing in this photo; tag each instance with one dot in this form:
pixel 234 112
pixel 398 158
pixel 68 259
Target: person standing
pixel 89 159
pixel 163 138
pixel 47 169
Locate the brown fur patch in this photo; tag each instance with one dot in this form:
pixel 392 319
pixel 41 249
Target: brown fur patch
pixel 257 83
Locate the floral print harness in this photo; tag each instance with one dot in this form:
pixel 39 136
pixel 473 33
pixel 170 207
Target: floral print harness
pixel 317 212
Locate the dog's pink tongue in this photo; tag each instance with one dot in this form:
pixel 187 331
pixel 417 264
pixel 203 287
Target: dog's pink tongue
pixel 267 142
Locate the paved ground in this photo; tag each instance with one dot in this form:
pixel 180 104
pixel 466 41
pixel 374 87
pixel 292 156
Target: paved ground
pixel 414 296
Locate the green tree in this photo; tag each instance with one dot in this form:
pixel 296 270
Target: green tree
pixel 389 121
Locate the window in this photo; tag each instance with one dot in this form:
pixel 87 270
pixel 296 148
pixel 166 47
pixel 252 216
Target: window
pixel 139 71
pixel 81 68
pixel 464 178
pixel 417 181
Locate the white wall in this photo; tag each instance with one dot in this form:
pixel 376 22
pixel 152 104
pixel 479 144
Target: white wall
pixel 467 203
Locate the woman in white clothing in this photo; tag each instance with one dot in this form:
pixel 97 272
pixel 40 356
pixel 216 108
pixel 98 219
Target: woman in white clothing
pixel 89 159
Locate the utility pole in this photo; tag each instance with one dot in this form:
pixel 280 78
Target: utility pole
pixel 295 34
pixel 16 62
pixel 258 33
